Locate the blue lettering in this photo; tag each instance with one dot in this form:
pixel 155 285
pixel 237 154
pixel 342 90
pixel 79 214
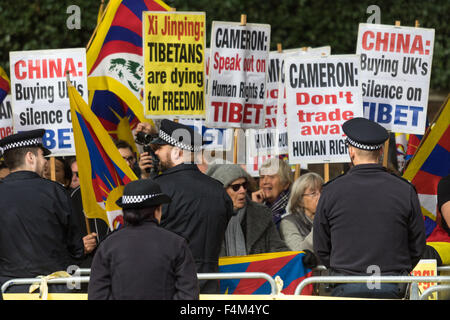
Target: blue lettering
pixel 371 106
pixel 49 139
pixel 415 111
pixel 384 113
pixel 399 114
pixel 64 135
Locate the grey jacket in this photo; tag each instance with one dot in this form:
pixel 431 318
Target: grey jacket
pixel 261 234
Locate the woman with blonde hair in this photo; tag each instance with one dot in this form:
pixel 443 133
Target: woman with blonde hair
pixel 296 226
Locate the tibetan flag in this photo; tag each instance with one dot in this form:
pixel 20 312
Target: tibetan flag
pixel 102 171
pixel 115 58
pixel 287 265
pixel 5 84
pixel 115 115
pixel 430 163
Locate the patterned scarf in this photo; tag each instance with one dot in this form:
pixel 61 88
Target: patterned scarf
pixel 278 207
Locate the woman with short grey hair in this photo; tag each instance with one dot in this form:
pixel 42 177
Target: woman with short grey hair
pixel 296 226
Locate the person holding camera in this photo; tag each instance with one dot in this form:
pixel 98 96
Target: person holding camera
pixel 200 208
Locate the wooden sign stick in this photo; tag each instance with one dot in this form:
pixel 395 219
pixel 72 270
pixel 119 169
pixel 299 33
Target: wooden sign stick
pixel 326 171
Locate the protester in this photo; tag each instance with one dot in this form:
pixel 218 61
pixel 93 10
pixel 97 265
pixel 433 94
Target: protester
pixel 63 172
pixel 368 218
pixel 39 235
pixel 200 208
pixel 141 260
pixel 127 153
pixel 251 230
pixel 275 179
pixel 296 226
pixel 75 180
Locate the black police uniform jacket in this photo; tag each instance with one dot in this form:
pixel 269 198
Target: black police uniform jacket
pixel 199 211
pixel 38 234
pixel 369 217
pixel 143 262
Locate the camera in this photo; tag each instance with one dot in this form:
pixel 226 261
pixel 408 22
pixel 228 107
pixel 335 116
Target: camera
pixel 144 140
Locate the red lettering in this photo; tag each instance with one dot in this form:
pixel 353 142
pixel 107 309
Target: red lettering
pixel 365 40
pixel 417 45
pixel 216 106
pixel 235 112
pixel 55 68
pixel 382 39
pixel 17 70
pixel 34 69
pixel 70 67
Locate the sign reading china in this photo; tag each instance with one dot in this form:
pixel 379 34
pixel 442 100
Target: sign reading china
pixel 237 75
pixel 395 75
pixel 39 93
pixel 174 67
pixel 321 94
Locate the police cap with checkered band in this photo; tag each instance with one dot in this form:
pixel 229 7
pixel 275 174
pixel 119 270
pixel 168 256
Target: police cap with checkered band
pixel 142 194
pixel 178 135
pixel 365 134
pixel 24 139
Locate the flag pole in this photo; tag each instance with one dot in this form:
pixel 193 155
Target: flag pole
pixel 98 24
pixel 235 132
pixel 86 220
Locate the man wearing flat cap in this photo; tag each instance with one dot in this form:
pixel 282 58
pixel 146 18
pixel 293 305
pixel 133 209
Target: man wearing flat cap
pixel 143 261
pixel 39 234
pixel 200 208
pixel 368 221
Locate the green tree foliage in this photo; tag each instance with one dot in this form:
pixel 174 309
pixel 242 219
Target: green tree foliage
pixel 41 24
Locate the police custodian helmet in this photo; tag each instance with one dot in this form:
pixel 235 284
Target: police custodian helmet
pixel 365 134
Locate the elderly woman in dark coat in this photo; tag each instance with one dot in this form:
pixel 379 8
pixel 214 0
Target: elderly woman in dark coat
pixel 142 261
pixel 251 230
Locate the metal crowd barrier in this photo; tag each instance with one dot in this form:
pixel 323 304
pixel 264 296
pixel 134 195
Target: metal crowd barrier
pixel 69 281
pixel 372 279
pixel 201 276
pixel 240 275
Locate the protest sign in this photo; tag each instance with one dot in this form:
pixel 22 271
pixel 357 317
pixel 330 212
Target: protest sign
pixel 426 268
pixel 40 96
pixel 273 138
pixel 237 75
pixel 214 138
pixel 395 75
pixel 174 69
pixel 321 94
pixel 6 122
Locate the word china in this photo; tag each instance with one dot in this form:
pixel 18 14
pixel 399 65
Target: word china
pixel 47 68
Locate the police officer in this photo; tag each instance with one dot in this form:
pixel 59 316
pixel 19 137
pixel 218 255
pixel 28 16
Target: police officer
pixel 142 261
pixel 39 233
pixel 368 220
pixel 200 207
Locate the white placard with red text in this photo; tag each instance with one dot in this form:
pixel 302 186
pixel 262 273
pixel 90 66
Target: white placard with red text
pixel 237 75
pixel 39 93
pixel 273 138
pixel 321 94
pixel 395 75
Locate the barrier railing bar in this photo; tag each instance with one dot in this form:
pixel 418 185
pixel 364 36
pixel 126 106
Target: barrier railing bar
pixel 371 279
pixel 200 276
pixel 66 280
pixel 428 292
pixel 239 275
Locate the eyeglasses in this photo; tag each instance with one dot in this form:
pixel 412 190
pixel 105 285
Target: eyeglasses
pixel 238 186
pixel 313 194
pixel 129 159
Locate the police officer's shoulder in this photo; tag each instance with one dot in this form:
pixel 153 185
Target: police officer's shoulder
pixel 333 180
pixel 56 184
pixel 402 179
pixel 109 234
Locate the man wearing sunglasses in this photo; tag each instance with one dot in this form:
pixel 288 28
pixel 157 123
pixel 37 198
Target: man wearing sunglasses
pixel 251 230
